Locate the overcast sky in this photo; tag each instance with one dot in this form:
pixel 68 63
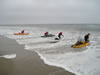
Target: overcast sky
pixel 49 11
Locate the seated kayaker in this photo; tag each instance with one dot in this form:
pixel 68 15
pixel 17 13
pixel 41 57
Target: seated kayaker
pixel 79 42
pixel 22 31
pixel 46 34
pixel 86 37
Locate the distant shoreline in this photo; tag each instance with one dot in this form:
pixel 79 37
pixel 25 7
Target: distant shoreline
pixel 53 24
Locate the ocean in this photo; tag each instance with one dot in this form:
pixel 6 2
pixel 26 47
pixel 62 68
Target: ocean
pixel 81 61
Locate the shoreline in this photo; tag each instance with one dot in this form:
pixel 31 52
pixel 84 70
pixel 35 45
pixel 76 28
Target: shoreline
pixel 26 62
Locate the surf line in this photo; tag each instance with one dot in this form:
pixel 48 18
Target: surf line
pixel 9 56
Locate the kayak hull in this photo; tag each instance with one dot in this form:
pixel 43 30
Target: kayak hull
pixel 82 45
pixel 50 35
pixel 21 33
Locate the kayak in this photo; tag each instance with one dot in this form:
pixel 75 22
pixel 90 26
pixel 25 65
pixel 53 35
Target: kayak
pixel 81 45
pixel 49 35
pixel 21 33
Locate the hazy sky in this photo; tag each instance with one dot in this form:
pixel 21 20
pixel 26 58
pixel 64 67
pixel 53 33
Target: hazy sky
pixel 49 11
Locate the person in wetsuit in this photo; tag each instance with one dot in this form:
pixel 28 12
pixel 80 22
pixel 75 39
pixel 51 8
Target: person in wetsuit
pixel 22 31
pixel 59 36
pixel 46 34
pixel 86 37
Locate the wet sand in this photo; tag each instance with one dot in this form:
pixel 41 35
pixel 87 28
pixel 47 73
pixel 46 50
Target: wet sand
pixel 25 63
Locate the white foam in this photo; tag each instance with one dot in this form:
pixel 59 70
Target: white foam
pixel 31 40
pixel 79 63
pixel 9 56
pixel 84 61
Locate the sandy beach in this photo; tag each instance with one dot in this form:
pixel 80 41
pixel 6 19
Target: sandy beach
pixel 25 63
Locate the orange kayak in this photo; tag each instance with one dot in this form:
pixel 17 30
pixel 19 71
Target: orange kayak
pixel 21 33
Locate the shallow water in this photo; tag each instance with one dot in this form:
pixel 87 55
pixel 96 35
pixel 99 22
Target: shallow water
pixel 82 61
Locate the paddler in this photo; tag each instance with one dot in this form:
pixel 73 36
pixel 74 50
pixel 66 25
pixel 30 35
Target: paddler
pixel 79 42
pixel 86 37
pixel 22 31
pixel 46 34
pixel 59 36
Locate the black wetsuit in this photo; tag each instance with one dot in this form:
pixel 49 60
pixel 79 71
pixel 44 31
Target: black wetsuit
pixel 59 36
pixel 86 38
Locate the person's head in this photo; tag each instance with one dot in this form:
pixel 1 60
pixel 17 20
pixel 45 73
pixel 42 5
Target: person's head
pixel 88 33
pixel 46 32
pixel 60 32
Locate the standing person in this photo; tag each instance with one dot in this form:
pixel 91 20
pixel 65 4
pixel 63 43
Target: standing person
pixel 22 31
pixel 86 37
pixel 60 34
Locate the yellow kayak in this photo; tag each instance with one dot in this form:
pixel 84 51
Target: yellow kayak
pixel 81 45
pixel 21 33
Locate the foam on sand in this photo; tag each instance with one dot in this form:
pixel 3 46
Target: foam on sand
pixel 9 56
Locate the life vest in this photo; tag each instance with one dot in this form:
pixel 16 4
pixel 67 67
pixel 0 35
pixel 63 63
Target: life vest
pixel 22 31
pixel 46 33
pixel 60 33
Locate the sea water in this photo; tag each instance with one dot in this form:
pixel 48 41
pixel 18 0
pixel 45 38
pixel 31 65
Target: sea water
pixel 81 61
